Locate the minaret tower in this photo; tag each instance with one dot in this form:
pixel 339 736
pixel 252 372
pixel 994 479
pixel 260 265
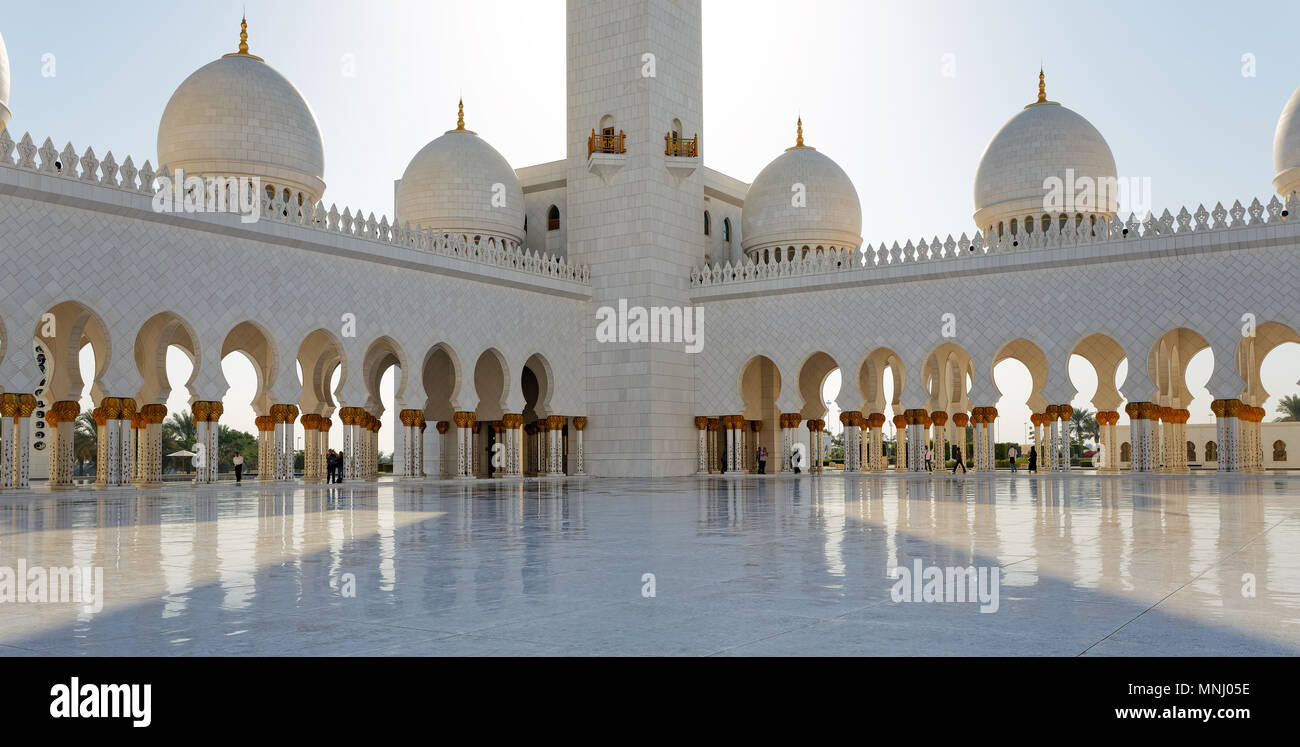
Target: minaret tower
pixel 636 216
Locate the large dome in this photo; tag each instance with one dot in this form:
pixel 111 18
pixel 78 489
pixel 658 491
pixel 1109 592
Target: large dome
pixel 5 114
pixel 829 215
pixel 1286 148
pixel 238 116
pixel 460 184
pixel 1042 142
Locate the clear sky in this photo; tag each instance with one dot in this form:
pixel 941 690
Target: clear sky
pixel 904 95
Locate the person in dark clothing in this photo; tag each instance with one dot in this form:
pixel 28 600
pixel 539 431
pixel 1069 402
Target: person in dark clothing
pixel 958 462
pixel 1033 459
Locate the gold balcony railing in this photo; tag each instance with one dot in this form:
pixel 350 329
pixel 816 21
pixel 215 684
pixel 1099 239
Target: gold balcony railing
pixel 606 143
pixel 685 147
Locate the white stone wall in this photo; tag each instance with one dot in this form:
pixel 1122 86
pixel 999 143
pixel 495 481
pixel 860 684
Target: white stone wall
pixel 643 229
pixel 1133 290
pixel 1201 434
pixel 68 240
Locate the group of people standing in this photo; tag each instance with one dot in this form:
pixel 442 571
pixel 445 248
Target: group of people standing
pixel 760 456
pixel 334 467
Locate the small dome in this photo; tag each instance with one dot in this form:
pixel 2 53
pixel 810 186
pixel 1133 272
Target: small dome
pixel 460 184
pixel 1286 148
pixel 830 214
pixel 5 114
pixel 238 116
pixel 1044 141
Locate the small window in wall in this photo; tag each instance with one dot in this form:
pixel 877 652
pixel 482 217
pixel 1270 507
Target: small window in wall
pixel 1014 226
pixel 1047 222
pixel 553 219
pixel 1211 451
pixel 1125 452
pixel 1279 451
pixel 1191 451
pixel 607 126
pixel 707 227
pixel 726 230
pixel 1029 224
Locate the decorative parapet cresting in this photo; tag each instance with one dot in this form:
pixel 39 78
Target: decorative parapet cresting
pixel 487 250
pixel 1072 233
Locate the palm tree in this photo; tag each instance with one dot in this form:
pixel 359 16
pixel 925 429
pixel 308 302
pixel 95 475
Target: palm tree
pixel 1290 408
pixel 1083 423
pixel 85 440
pixel 179 431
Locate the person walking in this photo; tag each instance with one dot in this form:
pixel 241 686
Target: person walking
pixel 957 462
pixel 1033 459
pixel 1012 454
pixel 762 460
pixel 239 468
pixel 929 459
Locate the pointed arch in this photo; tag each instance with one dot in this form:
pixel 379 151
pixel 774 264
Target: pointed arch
pixel 381 355
pixel 251 340
pixel 73 326
pixel 319 355
pixel 159 333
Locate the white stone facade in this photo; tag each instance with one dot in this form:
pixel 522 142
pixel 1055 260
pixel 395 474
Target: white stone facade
pixel 489 310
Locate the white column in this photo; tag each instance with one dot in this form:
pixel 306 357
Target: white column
pixel 8 421
pixel 580 425
pixel 1228 431
pixel 22 436
pixel 787 441
pixel 464 445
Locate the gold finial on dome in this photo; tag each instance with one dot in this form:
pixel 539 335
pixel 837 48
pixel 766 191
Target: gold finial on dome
pixel 798 140
pixel 1042 90
pixel 243 42
pixel 460 120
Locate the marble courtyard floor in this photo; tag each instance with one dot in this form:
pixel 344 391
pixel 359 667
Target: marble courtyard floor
pixel 777 565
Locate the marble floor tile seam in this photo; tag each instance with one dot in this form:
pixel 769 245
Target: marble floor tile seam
pixel 1180 588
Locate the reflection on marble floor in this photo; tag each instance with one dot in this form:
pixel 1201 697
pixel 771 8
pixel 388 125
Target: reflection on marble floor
pixel 777 566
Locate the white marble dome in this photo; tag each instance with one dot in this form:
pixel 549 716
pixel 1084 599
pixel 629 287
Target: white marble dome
pixel 5 114
pixel 1044 140
pixel 238 116
pixel 460 184
pixel 1286 148
pixel 830 217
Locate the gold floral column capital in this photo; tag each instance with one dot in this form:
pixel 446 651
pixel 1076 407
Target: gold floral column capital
pixel 580 423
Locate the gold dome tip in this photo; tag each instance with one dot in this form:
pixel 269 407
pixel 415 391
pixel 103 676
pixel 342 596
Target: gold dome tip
pixel 798 140
pixel 1042 90
pixel 243 42
pixel 460 120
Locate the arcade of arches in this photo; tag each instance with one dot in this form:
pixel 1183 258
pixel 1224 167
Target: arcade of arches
pixel 936 422
pixel 483 441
